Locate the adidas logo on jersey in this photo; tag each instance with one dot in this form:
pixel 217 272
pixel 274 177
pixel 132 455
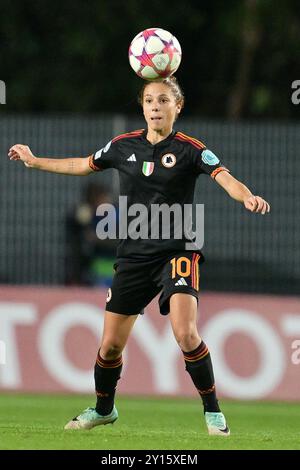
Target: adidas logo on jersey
pixel 181 282
pixel 131 158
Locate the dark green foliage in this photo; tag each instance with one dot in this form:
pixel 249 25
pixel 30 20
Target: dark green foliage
pixel 72 56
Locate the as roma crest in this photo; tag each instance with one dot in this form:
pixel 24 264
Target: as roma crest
pixel 168 160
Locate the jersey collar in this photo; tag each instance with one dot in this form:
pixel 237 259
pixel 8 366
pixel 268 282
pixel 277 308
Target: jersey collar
pixel 162 142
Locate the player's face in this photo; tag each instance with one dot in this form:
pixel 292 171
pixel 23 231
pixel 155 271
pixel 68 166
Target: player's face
pixel 159 106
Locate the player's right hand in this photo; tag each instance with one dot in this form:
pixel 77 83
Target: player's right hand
pixel 23 153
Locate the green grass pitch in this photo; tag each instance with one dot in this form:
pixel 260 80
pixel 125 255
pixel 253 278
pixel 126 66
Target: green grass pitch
pixel 37 421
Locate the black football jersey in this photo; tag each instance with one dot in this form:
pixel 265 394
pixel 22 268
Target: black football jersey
pixel 164 173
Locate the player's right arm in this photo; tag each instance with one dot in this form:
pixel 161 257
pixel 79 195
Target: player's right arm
pixel 65 166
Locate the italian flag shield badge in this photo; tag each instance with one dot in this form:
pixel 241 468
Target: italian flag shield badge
pixel 148 168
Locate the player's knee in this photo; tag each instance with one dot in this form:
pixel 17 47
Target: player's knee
pixel 111 350
pixel 187 340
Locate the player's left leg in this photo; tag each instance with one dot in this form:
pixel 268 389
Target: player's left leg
pixel 183 317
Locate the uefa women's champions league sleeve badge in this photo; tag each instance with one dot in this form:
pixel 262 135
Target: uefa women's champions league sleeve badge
pixel 209 157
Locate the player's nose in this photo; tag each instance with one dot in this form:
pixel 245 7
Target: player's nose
pixel 155 106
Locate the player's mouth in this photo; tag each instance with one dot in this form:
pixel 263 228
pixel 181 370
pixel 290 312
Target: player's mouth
pixel 156 119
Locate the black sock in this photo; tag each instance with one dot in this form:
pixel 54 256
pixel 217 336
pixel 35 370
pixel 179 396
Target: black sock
pixel 106 374
pixel 198 365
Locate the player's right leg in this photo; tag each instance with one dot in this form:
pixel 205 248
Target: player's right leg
pixel 130 292
pixel 107 372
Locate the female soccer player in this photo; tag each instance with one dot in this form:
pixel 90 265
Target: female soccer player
pixel 156 166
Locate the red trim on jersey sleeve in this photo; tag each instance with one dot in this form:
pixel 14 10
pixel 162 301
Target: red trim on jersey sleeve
pixel 218 170
pixel 128 135
pixel 92 165
pixel 185 138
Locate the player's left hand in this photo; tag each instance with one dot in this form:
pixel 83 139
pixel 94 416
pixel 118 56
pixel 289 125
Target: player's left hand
pixel 257 204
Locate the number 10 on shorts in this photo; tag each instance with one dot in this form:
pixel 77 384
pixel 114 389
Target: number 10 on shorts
pixel 181 267
pixel 187 268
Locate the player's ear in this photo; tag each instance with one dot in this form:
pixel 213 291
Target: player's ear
pixel 179 107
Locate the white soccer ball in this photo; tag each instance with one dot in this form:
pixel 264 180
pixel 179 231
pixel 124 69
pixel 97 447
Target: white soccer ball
pixel 154 54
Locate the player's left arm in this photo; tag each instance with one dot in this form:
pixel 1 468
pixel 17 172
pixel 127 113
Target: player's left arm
pixel 241 193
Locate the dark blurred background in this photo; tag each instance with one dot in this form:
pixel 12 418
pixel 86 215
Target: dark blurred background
pixel 70 89
pixel 239 56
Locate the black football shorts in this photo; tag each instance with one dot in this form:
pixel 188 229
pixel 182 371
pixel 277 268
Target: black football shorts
pixel 136 283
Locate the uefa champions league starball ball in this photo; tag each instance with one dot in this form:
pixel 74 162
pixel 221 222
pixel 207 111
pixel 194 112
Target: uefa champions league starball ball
pixel 154 54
